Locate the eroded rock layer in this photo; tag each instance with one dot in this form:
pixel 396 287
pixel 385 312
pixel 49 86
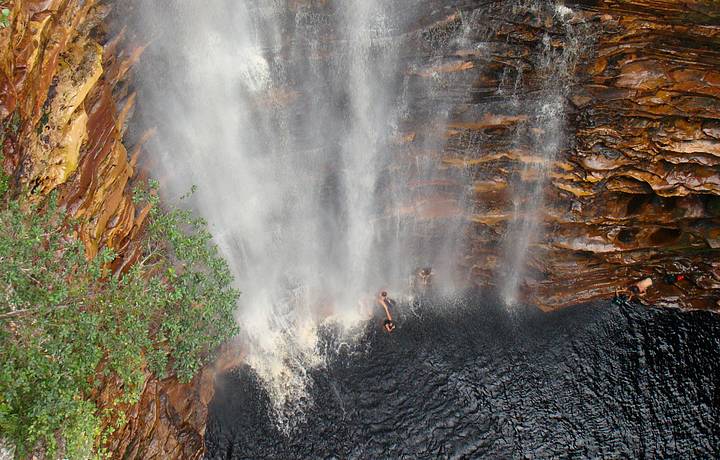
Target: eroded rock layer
pixel 630 185
pixel 64 106
pixel 644 193
pixel 60 94
pixel 631 190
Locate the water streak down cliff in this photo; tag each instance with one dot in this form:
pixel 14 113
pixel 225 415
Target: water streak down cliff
pixel 556 63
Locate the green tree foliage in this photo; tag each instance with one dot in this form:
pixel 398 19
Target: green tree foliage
pixel 65 322
pixel 4 18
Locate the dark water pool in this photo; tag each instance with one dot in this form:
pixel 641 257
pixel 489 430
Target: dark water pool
pixel 598 381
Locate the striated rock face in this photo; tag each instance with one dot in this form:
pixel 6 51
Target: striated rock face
pixel 60 88
pixel 169 420
pixel 589 129
pixel 642 196
pixel 64 104
pixel 681 144
pixel 598 122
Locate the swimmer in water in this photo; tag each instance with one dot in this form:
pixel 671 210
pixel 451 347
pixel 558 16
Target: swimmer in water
pixel 425 276
pixel 387 304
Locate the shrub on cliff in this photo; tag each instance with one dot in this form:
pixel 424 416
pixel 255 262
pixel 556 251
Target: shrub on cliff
pixel 65 320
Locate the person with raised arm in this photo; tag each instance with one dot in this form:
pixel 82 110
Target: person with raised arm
pixel 388 304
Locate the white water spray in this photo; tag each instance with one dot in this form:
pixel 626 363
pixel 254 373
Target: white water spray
pixel 556 66
pixel 282 113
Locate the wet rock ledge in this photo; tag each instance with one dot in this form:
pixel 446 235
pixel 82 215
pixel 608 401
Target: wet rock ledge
pixel 642 194
pixel 633 188
pixel 633 192
pixel 65 100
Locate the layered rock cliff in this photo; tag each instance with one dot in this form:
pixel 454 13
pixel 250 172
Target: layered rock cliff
pixel 60 88
pixel 632 189
pixel 64 104
pixel 641 196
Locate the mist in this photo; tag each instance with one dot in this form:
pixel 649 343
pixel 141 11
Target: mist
pixel 286 117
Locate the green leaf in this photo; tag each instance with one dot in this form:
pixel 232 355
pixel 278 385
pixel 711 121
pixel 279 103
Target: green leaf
pixel 167 317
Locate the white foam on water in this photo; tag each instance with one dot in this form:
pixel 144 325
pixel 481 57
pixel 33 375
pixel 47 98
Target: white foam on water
pixel 563 11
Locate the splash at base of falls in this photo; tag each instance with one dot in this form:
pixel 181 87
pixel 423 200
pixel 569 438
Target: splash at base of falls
pixel 295 356
pixel 285 350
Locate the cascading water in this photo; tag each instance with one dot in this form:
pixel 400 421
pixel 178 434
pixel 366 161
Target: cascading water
pixel 287 116
pixel 556 71
pixel 283 114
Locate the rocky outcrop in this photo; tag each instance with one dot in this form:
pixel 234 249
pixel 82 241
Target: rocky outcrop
pixel 622 177
pixel 629 189
pixel 64 104
pixel 169 420
pixel 644 174
pixel 60 88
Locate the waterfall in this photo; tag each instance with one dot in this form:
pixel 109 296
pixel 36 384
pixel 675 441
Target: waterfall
pixel 555 65
pixel 284 114
pixel 292 117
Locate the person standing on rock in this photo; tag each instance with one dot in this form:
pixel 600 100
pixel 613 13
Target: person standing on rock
pixel 421 282
pixel 640 288
pixel 637 290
